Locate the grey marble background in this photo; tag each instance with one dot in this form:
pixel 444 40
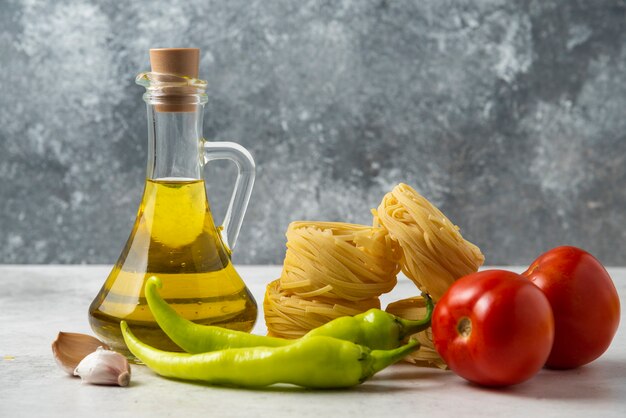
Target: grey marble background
pixel 511 116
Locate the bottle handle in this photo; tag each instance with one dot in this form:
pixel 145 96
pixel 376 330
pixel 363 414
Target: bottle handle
pixel 221 150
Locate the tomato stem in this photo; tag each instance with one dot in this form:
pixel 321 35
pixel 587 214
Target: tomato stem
pixel 464 327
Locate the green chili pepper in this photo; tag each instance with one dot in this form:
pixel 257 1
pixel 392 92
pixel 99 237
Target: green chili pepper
pixel 375 328
pixel 316 362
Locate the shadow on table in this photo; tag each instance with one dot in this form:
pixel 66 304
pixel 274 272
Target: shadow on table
pixel 367 387
pixel 601 380
pixel 415 373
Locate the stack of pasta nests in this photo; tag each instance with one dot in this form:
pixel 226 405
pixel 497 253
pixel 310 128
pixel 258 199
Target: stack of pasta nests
pixel 334 269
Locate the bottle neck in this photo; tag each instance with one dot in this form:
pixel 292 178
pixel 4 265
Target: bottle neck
pixel 174 144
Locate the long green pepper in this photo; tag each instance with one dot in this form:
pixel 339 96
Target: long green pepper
pixel 315 362
pixel 375 328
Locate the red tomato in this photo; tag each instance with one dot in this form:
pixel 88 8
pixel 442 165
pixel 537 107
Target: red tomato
pixel 584 302
pixel 494 328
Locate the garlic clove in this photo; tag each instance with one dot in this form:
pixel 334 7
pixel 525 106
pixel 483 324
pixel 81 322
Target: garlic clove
pixel 104 367
pixel 70 348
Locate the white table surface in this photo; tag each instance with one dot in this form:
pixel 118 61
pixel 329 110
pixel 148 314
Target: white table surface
pixel 36 302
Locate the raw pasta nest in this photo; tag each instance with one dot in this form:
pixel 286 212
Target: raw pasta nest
pixel 415 308
pixel 289 316
pixel 339 260
pixel 434 254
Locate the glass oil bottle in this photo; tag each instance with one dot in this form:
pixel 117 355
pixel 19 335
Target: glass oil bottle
pixel 174 236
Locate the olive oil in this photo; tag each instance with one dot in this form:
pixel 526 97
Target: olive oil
pixel 174 238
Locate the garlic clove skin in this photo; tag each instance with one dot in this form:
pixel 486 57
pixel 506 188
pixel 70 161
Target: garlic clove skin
pixel 70 348
pixel 104 367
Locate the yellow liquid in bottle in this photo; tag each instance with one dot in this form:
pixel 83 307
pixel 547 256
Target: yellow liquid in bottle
pixel 174 238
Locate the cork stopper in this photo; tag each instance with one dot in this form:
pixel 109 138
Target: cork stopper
pixel 182 62
pixel 177 61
